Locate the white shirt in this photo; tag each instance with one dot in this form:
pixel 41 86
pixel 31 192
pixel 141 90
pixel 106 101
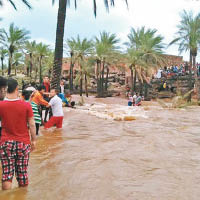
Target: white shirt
pixel 62 88
pixel 130 99
pixel 56 105
pixel 159 74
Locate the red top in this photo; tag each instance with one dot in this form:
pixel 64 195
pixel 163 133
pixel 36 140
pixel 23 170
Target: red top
pixel 47 86
pixel 14 116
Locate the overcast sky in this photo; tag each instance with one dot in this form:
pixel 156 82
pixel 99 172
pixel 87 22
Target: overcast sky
pixel 163 15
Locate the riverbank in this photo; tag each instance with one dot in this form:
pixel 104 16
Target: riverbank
pixel 153 157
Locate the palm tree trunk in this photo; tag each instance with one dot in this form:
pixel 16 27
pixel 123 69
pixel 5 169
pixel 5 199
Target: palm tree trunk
pixel 36 71
pixel 132 82
pixel 71 74
pixel 135 79
pixel 196 78
pixel 10 64
pixel 81 81
pixel 86 87
pixel 141 87
pixel 2 66
pixel 98 78
pixel 190 71
pixel 146 87
pixel 106 83
pixel 102 80
pixel 15 70
pixel 57 68
pixel 40 67
pixel 31 64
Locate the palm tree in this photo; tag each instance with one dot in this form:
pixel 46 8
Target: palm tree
pixel 60 35
pixel 145 50
pixel 188 39
pixel 71 46
pixel 17 58
pixel 13 3
pixel 3 54
pixel 30 50
pixel 88 71
pixel 13 40
pixel 105 48
pixel 48 63
pixel 42 51
pixel 134 59
pixel 83 49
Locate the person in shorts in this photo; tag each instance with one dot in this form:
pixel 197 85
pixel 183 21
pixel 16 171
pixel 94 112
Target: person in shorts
pixel 16 143
pixel 56 105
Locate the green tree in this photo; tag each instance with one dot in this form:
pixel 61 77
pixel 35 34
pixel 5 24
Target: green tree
pixel 71 47
pixel 83 49
pixel 30 48
pixel 13 41
pixel 42 50
pixel 105 48
pixel 88 71
pixel 3 54
pixel 145 50
pixel 60 36
pixel 48 63
pixel 188 39
pixel 17 59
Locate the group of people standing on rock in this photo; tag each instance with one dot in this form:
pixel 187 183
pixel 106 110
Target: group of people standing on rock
pixel 21 118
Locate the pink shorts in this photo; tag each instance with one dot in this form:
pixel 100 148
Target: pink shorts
pixel 54 121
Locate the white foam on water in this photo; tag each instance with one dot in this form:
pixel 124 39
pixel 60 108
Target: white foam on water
pixel 112 111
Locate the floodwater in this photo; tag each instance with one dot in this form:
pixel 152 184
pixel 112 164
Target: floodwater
pixel 98 156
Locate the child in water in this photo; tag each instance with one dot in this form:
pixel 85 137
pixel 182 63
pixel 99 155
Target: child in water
pixel 130 100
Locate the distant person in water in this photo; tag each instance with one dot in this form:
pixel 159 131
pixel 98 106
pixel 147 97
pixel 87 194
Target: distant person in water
pixel 130 100
pixel 57 110
pixel 138 100
pixel 67 100
pixel 18 137
pixel 3 86
pixel 71 103
pixel 134 98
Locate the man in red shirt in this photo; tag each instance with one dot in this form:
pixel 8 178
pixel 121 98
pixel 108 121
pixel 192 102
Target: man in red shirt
pixel 16 142
pixel 46 84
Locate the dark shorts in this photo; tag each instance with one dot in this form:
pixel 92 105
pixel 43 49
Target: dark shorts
pixel 14 159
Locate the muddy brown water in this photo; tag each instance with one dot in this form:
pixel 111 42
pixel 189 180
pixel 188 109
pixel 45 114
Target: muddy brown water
pixel 154 158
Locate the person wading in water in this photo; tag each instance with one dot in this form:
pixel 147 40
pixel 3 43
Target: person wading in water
pixel 16 143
